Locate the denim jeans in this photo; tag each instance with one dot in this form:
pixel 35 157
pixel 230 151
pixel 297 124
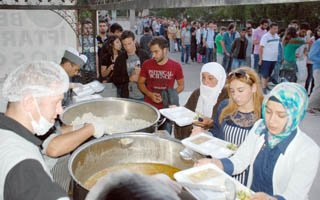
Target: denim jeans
pixel 172 43
pixel 186 51
pixel 314 100
pixel 248 61
pixel 275 77
pixel 236 63
pixel 178 40
pixel 227 61
pixel 256 63
pixel 209 55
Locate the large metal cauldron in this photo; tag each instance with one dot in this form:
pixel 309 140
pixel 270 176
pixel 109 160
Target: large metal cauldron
pixel 127 108
pixel 109 151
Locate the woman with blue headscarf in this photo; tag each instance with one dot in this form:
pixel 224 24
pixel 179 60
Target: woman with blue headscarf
pixel 283 160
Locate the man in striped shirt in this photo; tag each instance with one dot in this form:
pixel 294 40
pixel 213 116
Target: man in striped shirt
pixel 268 54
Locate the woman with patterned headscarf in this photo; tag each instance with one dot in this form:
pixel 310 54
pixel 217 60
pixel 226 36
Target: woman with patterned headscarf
pixel 283 160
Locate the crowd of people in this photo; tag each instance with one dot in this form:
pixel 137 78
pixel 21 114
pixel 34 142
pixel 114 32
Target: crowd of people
pixel 276 53
pixel 233 100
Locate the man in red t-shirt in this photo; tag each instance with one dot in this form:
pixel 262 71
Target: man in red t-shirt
pixel 184 23
pixel 159 73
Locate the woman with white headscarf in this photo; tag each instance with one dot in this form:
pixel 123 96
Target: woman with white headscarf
pixel 212 81
pixel 205 100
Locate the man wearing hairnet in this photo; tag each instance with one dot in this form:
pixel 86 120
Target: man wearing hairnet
pixel 34 92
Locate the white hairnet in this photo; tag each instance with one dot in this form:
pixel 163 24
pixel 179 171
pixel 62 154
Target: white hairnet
pixel 39 78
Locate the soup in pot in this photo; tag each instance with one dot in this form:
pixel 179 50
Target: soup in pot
pixel 142 168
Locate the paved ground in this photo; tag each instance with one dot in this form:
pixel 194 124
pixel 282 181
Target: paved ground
pixel 310 124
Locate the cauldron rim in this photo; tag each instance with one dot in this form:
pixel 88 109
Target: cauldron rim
pixel 154 123
pixel 108 137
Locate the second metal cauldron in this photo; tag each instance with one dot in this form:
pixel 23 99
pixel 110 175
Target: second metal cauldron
pixel 108 151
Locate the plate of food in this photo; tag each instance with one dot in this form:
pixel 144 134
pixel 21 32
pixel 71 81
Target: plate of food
pixel 243 195
pixel 89 89
pixel 208 145
pixel 210 182
pixel 180 115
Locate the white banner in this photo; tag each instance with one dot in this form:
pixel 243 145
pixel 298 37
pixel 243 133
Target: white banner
pixel 27 35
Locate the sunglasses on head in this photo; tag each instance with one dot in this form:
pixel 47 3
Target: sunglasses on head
pixel 238 74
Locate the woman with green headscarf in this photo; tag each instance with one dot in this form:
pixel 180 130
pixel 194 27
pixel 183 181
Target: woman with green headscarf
pixel 283 160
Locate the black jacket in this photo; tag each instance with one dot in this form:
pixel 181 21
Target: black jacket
pixel 236 45
pixel 120 74
pixel 144 42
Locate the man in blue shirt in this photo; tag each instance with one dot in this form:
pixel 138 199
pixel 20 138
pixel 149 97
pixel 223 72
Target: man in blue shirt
pixel 186 43
pixel 208 41
pixel 314 56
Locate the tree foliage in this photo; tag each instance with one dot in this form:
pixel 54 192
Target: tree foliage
pixel 283 13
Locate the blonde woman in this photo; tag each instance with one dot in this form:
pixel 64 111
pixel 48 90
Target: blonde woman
pixel 237 115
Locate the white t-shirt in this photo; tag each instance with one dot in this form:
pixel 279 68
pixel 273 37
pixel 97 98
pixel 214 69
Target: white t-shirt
pixel 271 47
pixel 198 35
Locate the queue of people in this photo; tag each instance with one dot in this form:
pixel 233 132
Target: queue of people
pixel 277 53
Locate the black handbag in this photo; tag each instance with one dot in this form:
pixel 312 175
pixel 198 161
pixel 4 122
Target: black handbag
pixel 201 49
pixel 288 72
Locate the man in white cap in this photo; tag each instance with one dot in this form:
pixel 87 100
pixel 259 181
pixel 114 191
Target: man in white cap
pixel 34 92
pixel 72 61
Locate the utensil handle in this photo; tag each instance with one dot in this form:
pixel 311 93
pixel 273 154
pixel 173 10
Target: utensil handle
pixel 160 123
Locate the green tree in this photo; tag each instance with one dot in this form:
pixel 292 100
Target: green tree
pixel 282 13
